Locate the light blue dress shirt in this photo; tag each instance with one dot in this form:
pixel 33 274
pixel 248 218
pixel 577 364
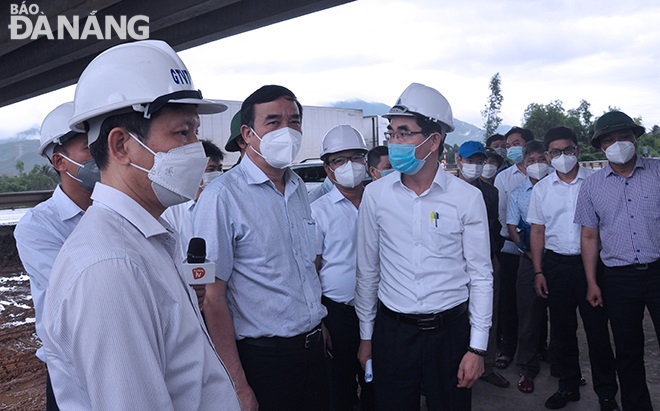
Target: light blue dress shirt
pixel 263 245
pixel 39 237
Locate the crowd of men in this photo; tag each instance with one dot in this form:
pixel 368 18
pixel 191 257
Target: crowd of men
pixel 425 280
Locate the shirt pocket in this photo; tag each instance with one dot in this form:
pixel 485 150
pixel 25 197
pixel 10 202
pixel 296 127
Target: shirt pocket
pixel 444 236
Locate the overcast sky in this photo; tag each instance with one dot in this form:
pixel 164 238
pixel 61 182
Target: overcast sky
pixel 604 51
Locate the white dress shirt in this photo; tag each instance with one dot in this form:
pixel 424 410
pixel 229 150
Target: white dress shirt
pixel 262 242
pixel 122 329
pixel 39 237
pixel 180 217
pixel 505 182
pixel 336 238
pixel 553 206
pixel 416 264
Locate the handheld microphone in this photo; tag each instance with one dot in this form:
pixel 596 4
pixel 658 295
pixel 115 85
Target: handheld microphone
pixel 196 268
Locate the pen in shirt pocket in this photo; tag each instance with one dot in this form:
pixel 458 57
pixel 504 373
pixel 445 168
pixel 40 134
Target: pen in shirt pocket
pixel 434 217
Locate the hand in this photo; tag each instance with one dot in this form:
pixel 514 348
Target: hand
pixel 327 340
pixel 246 398
pixel 470 369
pixel 200 290
pixel 364 352
pixel 541 286
pixel 594 296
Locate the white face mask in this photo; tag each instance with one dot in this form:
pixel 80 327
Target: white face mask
pixel 620 152
pixel 208 177
pixel 564 163
pixel 537 171
pixel 489 171
pixel 279 147
pixel 471 171
pixel 350 174
pixel 175 175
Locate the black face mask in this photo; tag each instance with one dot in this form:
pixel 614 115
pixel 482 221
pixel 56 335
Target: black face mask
pixel 88 173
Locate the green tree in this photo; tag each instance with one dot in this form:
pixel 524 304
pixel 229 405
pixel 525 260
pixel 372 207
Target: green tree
pixel 41 177
pixel 539 118
pixel 491 112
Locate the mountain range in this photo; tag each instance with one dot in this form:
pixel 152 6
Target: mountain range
pixel 24 145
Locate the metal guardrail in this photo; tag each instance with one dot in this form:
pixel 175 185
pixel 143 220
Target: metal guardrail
pixel 24 198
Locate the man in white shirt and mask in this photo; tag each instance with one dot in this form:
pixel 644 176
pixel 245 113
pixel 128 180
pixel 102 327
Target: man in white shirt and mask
pixel 42 231
pixel 422 262
pixel 560 277
pixel 122 328
pixel 343 153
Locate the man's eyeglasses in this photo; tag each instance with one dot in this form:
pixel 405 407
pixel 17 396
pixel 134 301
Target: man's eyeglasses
pixel 341 160
pixel 402 136
pixel 569 151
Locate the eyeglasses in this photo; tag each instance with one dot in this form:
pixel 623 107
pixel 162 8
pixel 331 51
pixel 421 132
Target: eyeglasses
pixel 569 151
pixel 402 136
pixel 341 160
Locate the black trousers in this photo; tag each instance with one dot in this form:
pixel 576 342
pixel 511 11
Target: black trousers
pixel 343 325
pixel 286 378
pixel 508 311
pixel 51 404
pixel 567 290
pixel 404 357
pixel 626 292
pixel 531 320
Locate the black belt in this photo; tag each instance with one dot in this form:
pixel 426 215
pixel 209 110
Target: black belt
pixel 426 322
pixel 640 267
pixel 575 258
pixel 304 340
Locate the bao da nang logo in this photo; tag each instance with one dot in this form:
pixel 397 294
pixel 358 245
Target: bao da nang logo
pixel 28 21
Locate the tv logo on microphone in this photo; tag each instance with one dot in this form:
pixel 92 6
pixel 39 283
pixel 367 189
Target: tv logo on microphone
pixel 198 272
pixel 196 266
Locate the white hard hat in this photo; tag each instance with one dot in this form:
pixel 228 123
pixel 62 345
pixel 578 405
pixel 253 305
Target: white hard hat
pixel 342 138
pixel 426 102
pixel 142 76
pixel 55 129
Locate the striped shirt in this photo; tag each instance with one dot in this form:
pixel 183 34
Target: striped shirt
pixel 122 329
pixel 626 211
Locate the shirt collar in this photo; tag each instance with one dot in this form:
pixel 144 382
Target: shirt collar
pixel 639 163
pixel 117 201
pixel 255 175
pixel 66 208
pixel 527 184
pixel 335 195
pixel 440 178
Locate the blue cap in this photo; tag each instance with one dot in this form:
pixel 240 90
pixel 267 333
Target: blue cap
pixel 470 148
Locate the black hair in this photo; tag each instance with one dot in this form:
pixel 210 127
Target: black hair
pixel 494 137
pixel 526 134
pixel 533 146
pixel 265 94
pixel 374 155
pixel 212 151
pixel 559 133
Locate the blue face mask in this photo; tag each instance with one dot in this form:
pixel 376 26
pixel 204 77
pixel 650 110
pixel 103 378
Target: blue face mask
pixel 515 154
pixel 385 172
pixel 402 157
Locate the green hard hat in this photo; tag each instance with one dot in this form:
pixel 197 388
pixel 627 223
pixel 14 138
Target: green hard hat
pixel 614 121
pixel 234 133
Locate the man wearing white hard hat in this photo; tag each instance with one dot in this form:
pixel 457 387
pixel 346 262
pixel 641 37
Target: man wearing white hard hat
pixel 122 328
pixel 264 310
pixel 343 153
pixel 424 281
pixel 42 231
